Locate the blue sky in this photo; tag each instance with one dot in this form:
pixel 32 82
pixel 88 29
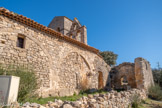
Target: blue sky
pixel 129 28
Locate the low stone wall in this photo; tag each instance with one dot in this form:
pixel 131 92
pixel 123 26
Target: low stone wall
pixel 111 99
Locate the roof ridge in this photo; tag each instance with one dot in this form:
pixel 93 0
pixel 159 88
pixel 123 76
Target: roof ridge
pixel 27 21
pixel 68 18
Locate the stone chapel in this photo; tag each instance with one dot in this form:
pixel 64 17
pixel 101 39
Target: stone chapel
pixel 60 56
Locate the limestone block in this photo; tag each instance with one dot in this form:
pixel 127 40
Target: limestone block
pixel 67 106
pixel 9 89
pixel 22 54
pixel 64 92
pixel 14 38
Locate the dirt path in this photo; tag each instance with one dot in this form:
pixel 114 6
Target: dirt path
pixel 151 104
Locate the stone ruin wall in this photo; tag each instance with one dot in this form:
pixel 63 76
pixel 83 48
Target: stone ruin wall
pixel 138 75
pixel 63 68
pixel 124 71
pixel 143 73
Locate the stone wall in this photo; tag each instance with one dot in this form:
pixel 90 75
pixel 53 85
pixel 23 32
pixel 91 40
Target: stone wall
pixel 61 22
pixel 123 75
pixel 63 68
pixel 134 75
pixel 111 99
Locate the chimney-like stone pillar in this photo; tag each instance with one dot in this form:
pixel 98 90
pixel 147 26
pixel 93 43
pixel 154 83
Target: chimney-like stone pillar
pixel 143 73
pixel 85 35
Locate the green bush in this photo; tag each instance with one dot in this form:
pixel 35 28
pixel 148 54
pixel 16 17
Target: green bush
pixel 155 92
pixel 28 80
pixel 136 101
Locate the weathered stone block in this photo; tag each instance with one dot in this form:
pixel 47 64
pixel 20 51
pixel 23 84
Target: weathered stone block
pixel 8 89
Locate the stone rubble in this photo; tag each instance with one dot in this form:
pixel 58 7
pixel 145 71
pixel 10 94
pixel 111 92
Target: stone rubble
pixel 112 99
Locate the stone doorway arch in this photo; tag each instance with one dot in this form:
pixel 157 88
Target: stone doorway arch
pixel 100 80
pixel 73 74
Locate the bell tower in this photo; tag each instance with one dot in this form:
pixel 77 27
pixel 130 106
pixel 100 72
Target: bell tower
pixel 70 28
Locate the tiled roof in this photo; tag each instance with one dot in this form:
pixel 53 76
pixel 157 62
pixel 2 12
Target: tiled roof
pixel 27 21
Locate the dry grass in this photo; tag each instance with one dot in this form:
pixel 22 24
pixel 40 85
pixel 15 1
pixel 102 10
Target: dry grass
pixel 149 103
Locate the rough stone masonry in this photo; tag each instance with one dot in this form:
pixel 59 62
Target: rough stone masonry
pixel 59 55
pixel 132 75
pixel 63 64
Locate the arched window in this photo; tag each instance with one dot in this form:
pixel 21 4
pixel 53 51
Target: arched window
pixel 75 27
pixel 124 80
pixel 74 37
pixel 79 36
pixel 70 35
pixel 58 29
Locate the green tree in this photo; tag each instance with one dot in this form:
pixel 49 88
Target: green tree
pixel 157 74
pixel 109 57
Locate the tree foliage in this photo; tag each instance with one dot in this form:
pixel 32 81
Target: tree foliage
pixel 109 57
pixel 157 74
pixel 28 80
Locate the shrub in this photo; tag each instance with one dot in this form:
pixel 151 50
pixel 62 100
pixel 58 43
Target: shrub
pixel 157 74
pixel 28 80
pixel 135 101
pixel 155 92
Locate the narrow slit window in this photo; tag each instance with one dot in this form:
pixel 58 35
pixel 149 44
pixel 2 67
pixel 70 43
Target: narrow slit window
pixel 20 42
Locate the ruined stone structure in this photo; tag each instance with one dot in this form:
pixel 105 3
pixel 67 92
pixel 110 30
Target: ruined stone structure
pixel 132 75
pixel 61 58
pixel 123 75
pixel 64 65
